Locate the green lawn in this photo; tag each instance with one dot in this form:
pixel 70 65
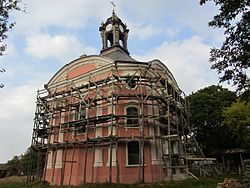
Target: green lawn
pixel 190 183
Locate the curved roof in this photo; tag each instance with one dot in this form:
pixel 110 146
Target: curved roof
pixel 117 54
pixel 87 64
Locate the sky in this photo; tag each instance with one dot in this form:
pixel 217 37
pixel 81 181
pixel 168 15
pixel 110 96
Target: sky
pixel 50 34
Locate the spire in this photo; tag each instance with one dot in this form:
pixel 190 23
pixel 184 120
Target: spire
pixel 112 2
pixel 114 33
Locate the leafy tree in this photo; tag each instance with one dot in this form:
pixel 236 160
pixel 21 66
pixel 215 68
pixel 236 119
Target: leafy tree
pixel 206 107
pixel 25 163
pixel 29 161
pixel 13 166
pixel 6 6
pixel 237 118
pixel 232 59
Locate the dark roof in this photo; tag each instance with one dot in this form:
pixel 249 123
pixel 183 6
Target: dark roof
pixel 117 54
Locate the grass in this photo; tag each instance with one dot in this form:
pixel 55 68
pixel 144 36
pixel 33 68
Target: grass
pixel 189 183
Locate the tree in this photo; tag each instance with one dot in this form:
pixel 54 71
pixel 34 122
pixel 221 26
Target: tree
pixel 6 6
pixel 25 163
pixel 238 120
pixel 29 161
pixel 13 166
pixel 206 106
pixel 232 59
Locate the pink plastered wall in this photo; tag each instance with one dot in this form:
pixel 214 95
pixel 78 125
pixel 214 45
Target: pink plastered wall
pixel 74 165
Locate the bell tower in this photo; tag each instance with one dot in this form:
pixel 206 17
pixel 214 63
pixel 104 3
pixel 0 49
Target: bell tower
pixel 114 33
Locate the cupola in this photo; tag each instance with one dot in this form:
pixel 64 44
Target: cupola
pixel 114 33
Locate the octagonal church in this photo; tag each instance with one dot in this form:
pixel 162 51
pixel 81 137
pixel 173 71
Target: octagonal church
pixel 110 118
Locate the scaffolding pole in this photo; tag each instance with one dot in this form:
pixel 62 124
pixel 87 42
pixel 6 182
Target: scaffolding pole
pixel 107 87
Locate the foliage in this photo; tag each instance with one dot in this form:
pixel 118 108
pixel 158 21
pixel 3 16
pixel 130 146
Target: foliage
pixel 6 6
pixel 206 107
pixel 13 166
pixel 237 118
pixel 1 71
pixel 22 164
pixel 232 60
pixel 29 161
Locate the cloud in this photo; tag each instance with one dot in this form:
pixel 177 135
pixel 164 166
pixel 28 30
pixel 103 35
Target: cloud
pixel 185 16
pixel 61 47
pixel 187 60
pixel 21 79
pixel 41 14
pixel 143 31
pixel 16 120
pixel 149 11
pixel 171 31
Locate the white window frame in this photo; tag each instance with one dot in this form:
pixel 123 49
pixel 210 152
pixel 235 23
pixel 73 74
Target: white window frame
pixel 133 165
pixel 125 111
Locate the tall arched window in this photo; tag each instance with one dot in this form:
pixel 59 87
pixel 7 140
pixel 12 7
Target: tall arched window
pixel 132 113
pixel 133 150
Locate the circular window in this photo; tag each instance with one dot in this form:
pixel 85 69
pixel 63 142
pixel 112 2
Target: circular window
pixel 131 83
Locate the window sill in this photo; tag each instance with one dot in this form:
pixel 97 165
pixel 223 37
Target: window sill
pixel 77 134
pixel 134 166
pixel 132 127
pixel 98 164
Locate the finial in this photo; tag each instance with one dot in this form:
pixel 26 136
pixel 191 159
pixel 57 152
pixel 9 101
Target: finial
pixel 112 2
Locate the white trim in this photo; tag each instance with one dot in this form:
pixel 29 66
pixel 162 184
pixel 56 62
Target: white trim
pixel 98 131
pixel 62 117
pixel 154 159
pixel 98 157
pixel 60 137
pixel 51 141
pixel 109 131
pixel 113 157
pixel 49 160
pixel 59 162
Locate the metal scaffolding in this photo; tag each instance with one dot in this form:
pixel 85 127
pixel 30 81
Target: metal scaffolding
pixel 70 107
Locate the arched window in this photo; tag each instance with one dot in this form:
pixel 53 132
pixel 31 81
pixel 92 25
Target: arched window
pixel 133 150
pixel 110 41
pixel 132 113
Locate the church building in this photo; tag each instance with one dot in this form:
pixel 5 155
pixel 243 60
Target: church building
pixel 110 118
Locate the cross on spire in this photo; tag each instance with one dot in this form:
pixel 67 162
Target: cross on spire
pixel 113 4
